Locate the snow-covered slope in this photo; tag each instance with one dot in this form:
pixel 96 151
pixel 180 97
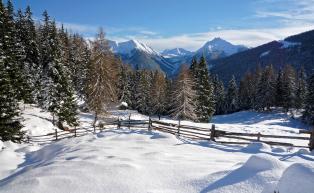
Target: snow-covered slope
pixel 128 46
pixel 175 52
pixel 137 160
pixel 140 56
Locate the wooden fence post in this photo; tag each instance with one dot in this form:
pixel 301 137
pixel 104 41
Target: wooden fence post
pixel 129 121
pixel 258 136
pixel 119 124
pixel 56 133
pixel 179 125
pixel 311 144
pixel 75 131
pixel 212 133
pixel 149 124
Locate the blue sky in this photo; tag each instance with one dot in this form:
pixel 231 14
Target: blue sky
pixel 181 23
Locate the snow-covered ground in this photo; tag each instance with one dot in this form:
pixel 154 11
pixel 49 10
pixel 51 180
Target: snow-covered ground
pixel 122 160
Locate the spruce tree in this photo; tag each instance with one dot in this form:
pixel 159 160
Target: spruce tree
pixel 246 92
pixel 205 106
pixel 301 89
pixel 232 96
pixel 289 87
pixel 125 84
pixel 279 97
pixel 79 59
pixel 57 89
pixel 10 126
pixel 219 94
pixel 308 115
pixel 12 50
pixel 142 93
pixel 266 89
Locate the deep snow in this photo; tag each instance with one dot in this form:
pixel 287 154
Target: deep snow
pixel 122 160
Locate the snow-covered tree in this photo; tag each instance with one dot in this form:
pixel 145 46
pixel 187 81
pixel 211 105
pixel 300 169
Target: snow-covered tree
pixel 56 89
pixel 30 62
pixel 10 126
pixel 12 50
pixel 205 104
pixel 183 96
pixel 79 58
pixel 142 92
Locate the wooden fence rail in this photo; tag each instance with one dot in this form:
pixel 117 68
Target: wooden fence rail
pixel 242 138
pixel 187 131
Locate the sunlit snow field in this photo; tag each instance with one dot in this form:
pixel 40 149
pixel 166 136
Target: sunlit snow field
pixel 137 160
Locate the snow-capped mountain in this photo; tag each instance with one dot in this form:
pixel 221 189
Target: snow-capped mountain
pixel 140 56
pixel 218 48
pixel 128 46
pixel 176 52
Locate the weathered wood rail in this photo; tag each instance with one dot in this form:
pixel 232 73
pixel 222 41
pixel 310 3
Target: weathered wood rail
pixel 214 134
pixel 187 131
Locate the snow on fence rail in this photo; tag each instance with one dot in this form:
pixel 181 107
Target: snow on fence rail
pixel 187 131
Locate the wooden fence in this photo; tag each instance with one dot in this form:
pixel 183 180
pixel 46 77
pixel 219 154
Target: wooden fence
pixel 187 131
pixel 81 131
pixel 216 135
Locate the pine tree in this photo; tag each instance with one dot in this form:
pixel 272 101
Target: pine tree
pixel 232 96
pixel 279 98
pixel 308 115
pixel 142 93
pixel 101 87
pixel 79 59
pixel 266 89
pixel 219 94
pixel 289 87
pixel 246 92
pixel 301 89
pixel 57 89
pixel 13 50
pixel 205 106
pixel 10 126
pixel 31 65
pixel 125 84
pixel 183 96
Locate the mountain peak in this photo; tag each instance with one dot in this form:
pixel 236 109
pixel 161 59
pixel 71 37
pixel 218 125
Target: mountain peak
pixel 220 45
